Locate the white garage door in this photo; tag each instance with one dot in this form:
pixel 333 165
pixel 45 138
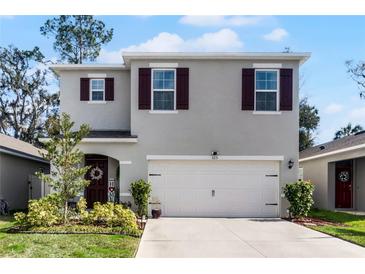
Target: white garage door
pixel 194 188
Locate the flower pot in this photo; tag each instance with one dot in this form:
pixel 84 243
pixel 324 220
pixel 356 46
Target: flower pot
pixel 156 213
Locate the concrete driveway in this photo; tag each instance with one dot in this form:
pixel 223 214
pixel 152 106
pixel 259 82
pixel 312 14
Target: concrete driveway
pixel 220 237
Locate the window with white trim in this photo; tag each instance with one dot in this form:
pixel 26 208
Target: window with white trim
pixel 163 89
pixel 266 89
pixel 97 89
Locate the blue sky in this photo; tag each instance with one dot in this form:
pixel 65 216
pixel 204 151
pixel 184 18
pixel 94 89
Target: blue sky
pixel 331 39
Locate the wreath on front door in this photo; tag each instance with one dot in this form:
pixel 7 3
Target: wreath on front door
pixel 96 173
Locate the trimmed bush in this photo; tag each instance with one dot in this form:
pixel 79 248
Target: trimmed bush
pixel 141 191
pixel 113 215
pixel 300 197
pixel 42 212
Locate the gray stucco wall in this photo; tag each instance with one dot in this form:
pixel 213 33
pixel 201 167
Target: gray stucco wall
pixel 14 172
pixel 214 121
pixel 360 184
pixel 113 115
pixel 321 172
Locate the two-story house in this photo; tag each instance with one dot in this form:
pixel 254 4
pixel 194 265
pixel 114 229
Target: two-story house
pixel 216 134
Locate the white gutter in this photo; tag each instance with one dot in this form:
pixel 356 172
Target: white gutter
pixel 299 56
pixel 205 157
pixel 332 152
pixel 30 157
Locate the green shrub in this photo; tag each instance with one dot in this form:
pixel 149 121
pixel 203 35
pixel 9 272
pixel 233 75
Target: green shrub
pixel 81 208
pixel 141 191
pixel 113 215
pixel 42 212
pixel 300 197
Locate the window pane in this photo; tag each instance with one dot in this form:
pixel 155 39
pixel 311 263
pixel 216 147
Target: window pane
pixel 261 85
pixel 266 80
pixel 163 100
pixel 266 101
pixel 158 74
pixel 169 74
pixel 157 84
pixel 260 75
pixel 271 75
pixel 271 85
pixel 97 96
pixel 97 84
pixel 164 79
pixel 169 84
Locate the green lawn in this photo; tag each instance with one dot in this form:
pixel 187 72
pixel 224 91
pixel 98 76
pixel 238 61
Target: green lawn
pixel 64 246
pixel 349 227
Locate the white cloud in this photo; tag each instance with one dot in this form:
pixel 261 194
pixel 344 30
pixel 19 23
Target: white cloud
pixel 276 35
pixel 220 21
pixel 333 108
pixel 222 40
pixel 7 17
pixel 357 114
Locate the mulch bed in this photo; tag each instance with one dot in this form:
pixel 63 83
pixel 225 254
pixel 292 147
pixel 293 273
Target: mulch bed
pixel 309 221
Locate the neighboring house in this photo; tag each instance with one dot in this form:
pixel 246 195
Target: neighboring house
pixel 215 133
pixel 18 163
pixel 337 169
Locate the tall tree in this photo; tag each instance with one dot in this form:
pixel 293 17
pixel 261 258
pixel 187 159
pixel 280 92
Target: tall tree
pixel 347 131
pixel 357 73
pixel 308 123
pixel 25 102
pixel 67 178
pixel 78 38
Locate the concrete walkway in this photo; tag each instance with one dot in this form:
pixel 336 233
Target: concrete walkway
pixel 220 237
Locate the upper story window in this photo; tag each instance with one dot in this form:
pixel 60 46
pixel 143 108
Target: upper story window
pixel 266 89
pixel 163 89
pixel 97 89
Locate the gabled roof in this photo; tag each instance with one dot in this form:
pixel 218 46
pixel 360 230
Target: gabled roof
pixel 278 56
pixel 348 143
pixel 10 145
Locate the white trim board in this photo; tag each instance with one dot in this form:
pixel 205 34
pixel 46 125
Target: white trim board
pixel 101 140
pixel 109 140
pixel 220 158
pixel 267 65
pixel 333 152
pixel 163 65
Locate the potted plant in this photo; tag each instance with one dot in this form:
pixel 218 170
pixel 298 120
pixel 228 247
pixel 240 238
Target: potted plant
pixel 155 208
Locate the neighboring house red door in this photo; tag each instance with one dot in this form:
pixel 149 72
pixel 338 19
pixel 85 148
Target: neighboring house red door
pixel 97 191
pixel 344 184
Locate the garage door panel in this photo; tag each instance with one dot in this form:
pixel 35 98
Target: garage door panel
pixel 240 188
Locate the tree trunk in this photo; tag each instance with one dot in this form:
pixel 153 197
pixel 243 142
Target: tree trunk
pixel 65 212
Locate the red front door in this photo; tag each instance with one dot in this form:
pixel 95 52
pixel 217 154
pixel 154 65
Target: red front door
pixel 97 191
pixel 344 184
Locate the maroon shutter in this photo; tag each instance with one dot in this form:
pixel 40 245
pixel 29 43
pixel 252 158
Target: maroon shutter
pixel 84 89
pixel 182 88
pixel 286 89
pixel 248 89
pixel 109 89
pixel 144 88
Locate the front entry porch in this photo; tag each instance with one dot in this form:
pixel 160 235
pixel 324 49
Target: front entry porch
pixel 347 181
pixel 104 179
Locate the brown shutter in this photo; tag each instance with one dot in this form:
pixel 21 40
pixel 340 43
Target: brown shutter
pixel 286 89
pixel 248 89
pixel 182 88
pixel 144 88
pixel 84 89
pixel 109 89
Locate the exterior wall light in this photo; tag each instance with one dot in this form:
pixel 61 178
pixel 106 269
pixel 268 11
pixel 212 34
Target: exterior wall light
pixel 215 155
pixel 290 164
